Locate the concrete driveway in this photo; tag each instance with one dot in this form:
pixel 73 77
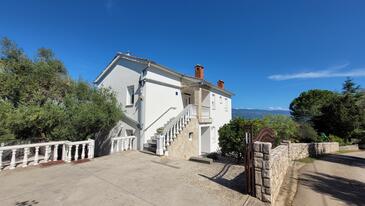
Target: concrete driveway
pixel 129 178
pixel 336 179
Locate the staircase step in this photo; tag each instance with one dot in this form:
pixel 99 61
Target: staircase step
pixel 201 159
pixel 149 145
pixel 148 152
pixel 152 141
pixel 150 149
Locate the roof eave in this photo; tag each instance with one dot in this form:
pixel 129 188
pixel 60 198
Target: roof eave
pixel 163 68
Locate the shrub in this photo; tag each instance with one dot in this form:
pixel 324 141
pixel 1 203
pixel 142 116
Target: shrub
pixel 323 138
pixel 285 127
pixel 306 133
pixel 232 139
pixel 214 156
pixel 334 138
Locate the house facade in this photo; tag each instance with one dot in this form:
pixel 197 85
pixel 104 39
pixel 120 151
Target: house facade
pixel 158 101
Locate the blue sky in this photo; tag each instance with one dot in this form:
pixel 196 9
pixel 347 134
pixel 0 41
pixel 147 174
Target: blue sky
pixel 267 52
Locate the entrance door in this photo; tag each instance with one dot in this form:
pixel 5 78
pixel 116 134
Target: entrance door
pixel 205 140
pixel 186 99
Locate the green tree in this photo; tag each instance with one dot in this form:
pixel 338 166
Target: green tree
pixel 341 117
pixel 309 104
pixel 40 102
pixel 350 87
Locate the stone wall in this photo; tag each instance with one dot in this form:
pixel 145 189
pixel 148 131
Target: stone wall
pixel 183 147
pixel 349 147
pixel 262 151
pixel 271 164
pixel 279 160
pixel 303 150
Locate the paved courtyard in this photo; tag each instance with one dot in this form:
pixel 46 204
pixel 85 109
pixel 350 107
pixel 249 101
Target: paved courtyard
pixel 129 178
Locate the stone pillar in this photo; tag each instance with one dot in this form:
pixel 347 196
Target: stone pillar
pixel 160 144
pixel 262 164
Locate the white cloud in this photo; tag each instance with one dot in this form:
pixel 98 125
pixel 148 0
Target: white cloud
pixel 335 71
pixel 278 108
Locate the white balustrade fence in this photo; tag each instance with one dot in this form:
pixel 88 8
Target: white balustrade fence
pixel 80 150
pixel 34 154
pixel 122 144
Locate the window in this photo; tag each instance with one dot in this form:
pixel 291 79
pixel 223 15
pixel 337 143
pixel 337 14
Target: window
pixel 213 101
pixel 225 104
pixel 220 99
pixel 130 95
pixel 129 132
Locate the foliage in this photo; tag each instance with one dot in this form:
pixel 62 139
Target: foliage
pixel 349 87
pixel 330 113
pixel 232 136
pixel 284 126
pixel 306 133
pixel 5 133
pixel 40 102
pixel 309 104
pixel 341 117
pixel 213 155
pixel 324 138
pixel 334 138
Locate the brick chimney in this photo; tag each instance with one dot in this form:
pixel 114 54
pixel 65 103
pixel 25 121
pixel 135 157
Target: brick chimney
pixel 199 71
pixel 220 84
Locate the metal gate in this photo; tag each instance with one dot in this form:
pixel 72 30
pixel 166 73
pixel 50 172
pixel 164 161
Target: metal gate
pixel 265 135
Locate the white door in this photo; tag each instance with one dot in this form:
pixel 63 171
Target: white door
pixel 186 99
pixel 204 140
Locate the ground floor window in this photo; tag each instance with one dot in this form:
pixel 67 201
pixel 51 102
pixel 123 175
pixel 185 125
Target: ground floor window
pixel 129 132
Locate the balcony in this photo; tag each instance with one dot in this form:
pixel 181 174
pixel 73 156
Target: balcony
pixel 203 116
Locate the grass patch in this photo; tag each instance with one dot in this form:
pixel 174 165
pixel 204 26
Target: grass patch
pixel 307 160
pixel 346 151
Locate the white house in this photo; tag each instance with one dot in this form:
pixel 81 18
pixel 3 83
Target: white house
pixel 170 113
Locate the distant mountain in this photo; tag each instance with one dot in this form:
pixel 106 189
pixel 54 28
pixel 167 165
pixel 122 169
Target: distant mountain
pixel 257 113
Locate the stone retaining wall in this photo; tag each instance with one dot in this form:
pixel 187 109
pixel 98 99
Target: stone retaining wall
pixel 271 164
pixel 349 147
pixel 183 147
pixel 302 150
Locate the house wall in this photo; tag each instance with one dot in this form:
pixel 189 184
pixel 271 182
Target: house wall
pixel 125 73
pixel 162 91
pixel 220 116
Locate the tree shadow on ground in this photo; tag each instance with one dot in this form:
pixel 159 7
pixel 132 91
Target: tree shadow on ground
pixel 344 159
pixel 348 190
pixel 237 183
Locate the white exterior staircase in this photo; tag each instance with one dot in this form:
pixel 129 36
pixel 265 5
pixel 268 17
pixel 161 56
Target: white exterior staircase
pixel 159 142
